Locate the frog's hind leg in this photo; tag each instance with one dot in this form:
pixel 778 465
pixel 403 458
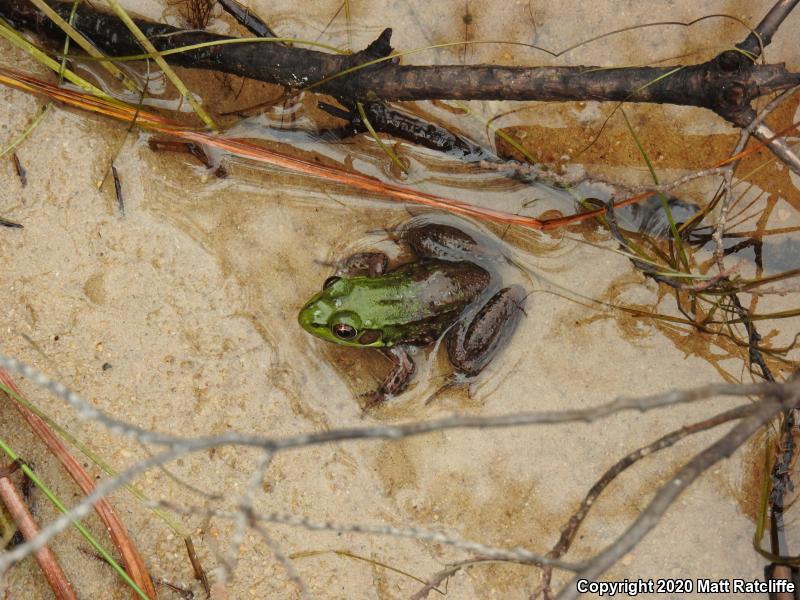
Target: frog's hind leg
pixel 472 344
pixel 398 378
pixel 444 242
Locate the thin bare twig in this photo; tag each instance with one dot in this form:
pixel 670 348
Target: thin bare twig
pixel 667 494
pixel 180 447
pixel 197 567
pixel 86 411
pixel 778 146
pixel 245 513
pixel 248 19
pixel 755 125
pixel 282 558
pixel 762 35
pixel 570 529
pixel 441 576
pixel 521 555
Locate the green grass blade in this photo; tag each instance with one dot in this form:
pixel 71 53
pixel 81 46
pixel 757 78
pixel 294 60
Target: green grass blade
pixel 390 153
pixel 84 43
pixel 91 455
pixel 201 45
pixel 673 229
pixel 83 531
pixel 349 21
pixel 171 75
pixel 10 34
pixel 72 13
pixel 21 138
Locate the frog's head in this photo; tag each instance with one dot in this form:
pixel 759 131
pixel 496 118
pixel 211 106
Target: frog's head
pixel 333 314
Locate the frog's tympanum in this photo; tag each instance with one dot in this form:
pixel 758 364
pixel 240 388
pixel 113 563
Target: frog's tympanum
pixel 450 289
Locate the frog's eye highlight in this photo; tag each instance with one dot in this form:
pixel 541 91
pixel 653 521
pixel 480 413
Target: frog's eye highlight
pixel 330 281
pixel 344 331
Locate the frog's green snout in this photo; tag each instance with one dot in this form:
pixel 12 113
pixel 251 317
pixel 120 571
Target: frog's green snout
pixel 324 319
pixel 314 316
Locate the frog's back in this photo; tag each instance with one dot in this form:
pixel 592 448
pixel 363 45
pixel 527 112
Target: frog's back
pixel 418 291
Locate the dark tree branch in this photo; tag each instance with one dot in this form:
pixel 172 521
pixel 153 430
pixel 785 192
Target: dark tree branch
pixel 268 62
pixel 726 84
pixel 767 28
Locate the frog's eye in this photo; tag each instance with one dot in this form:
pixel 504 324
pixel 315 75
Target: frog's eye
pixel 330 281
pixel 344 331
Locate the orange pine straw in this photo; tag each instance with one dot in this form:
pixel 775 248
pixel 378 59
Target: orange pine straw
pixel 131 559
pixel 18 509
pixel 360 181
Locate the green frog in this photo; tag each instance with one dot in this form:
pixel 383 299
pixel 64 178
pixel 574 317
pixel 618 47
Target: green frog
pixel 450 289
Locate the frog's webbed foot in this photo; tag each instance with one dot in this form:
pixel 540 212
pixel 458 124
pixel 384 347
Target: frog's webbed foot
pixel 398 378
pixel 371 263
pixel 472 344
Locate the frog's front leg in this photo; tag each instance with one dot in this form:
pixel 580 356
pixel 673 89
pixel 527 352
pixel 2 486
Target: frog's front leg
pixel 398 378
pixel 371 263
pixel 472 343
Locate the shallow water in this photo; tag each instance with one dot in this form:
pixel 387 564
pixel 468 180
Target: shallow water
pixel 191 298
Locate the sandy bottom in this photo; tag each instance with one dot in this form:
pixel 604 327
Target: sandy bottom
pixel 180 316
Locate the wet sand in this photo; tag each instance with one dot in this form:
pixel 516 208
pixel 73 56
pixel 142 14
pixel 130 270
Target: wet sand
pixel 191 298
